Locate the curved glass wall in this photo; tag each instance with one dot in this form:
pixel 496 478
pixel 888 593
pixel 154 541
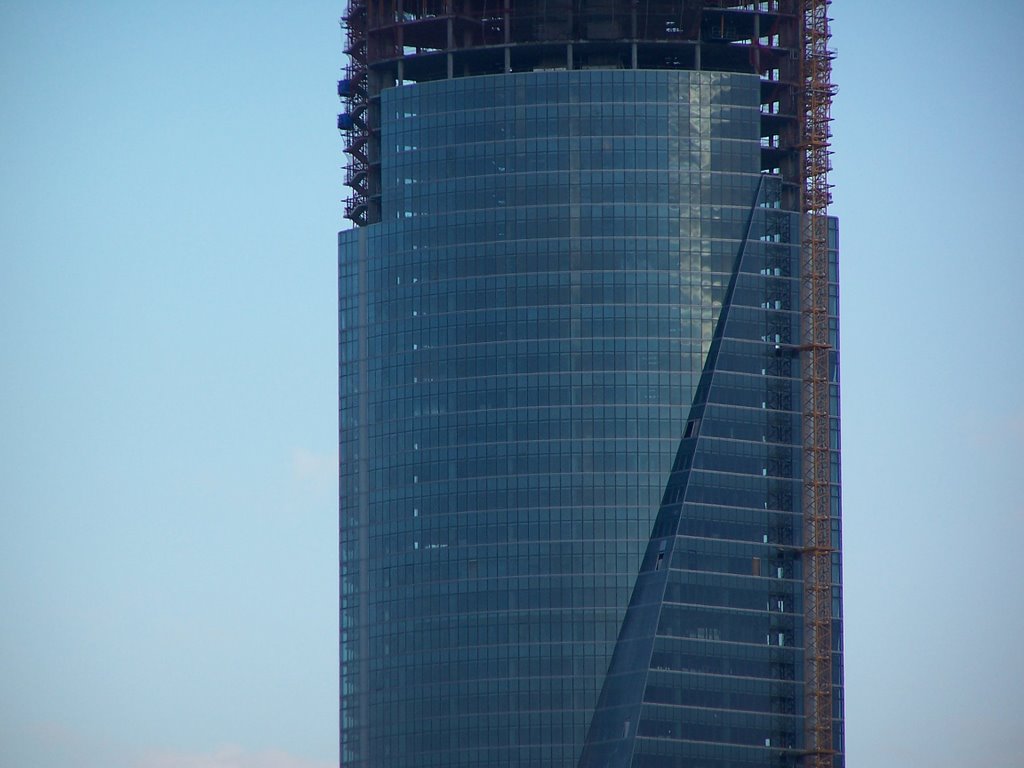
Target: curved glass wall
pixel 523 339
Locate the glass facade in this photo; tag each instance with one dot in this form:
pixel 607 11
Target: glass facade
pixel 570 431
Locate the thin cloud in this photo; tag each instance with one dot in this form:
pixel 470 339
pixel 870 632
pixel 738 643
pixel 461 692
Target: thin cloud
pixel 228 757
pixel 314 468
pixel 995 430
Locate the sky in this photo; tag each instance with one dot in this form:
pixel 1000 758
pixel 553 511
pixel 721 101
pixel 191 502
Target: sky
pixel 170 192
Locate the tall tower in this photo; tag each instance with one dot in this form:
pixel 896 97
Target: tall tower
pixel 589 390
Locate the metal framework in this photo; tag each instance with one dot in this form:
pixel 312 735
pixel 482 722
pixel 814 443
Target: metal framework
pixel 392 42
pixel 355 89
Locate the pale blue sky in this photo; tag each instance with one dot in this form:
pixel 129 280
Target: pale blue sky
pixel 169 195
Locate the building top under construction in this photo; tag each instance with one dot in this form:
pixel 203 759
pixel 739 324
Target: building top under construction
pixel 394 42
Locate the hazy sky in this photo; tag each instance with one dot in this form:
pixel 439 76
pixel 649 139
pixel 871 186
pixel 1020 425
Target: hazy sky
pixel 169 196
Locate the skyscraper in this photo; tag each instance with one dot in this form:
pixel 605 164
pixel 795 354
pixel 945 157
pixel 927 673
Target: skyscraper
pixel 590 510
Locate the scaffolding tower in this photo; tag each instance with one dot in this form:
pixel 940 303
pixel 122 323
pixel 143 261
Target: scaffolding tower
pixel 816 94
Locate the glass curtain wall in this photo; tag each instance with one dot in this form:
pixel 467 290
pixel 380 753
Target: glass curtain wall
pixel 580 299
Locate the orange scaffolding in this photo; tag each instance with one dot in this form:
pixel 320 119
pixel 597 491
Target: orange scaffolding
pixel 815 95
